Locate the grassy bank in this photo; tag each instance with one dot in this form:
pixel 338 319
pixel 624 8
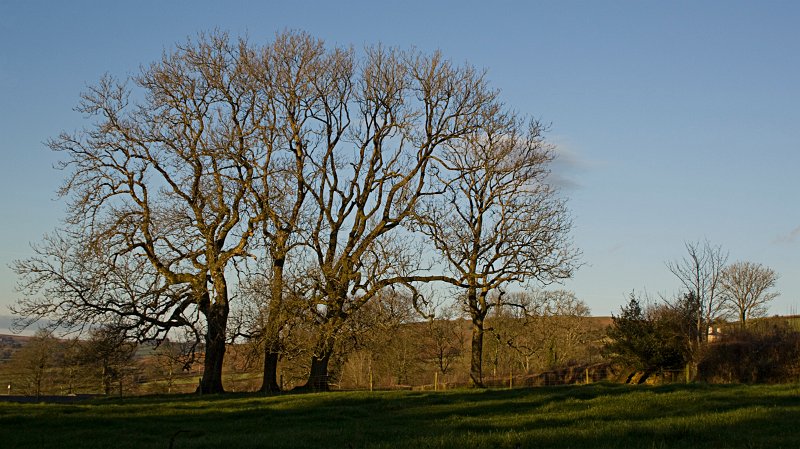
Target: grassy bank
pixel 611 416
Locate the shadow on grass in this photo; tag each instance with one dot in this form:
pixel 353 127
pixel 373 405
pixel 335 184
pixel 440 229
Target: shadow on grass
pixel 599 415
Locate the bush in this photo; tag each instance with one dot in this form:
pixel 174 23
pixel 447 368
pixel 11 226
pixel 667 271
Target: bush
pixel 649 339
pixel 765 354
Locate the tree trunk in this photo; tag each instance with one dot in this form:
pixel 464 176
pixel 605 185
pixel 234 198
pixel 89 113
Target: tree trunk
pixel 269 381
pixel 217 319
pixel 106 380
pixel 318 377
pixel 475 369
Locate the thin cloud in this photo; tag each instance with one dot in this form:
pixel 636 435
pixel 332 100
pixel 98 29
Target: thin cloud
pixel 563 182
pixel 791 237
pixel 566 167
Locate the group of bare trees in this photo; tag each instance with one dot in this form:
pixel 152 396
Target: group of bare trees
pixel 98 362
pixel 739 290
pixel 542 331
pixel 552 332
pixel 674 333
pixel 233 189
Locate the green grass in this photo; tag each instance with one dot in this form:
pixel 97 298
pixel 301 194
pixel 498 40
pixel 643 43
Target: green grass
pixel 600 415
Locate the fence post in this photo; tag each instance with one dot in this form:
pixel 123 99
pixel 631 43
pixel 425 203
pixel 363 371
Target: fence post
pixel 435 380
pixel 587 375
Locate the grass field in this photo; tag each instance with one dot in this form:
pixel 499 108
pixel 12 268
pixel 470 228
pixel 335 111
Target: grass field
pixel 600 415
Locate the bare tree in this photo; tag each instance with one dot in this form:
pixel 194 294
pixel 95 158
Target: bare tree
pixel 745 289
pixel 382 330
pixel 403 107
pixel 304 89
pixel 541 330
pixel 157 194
pixel 109 351
pixel 497 220
pixel 34 361
pixel 699 273
pixel 72 370
pixel 168 360
pixel 564 317
pixel 443 339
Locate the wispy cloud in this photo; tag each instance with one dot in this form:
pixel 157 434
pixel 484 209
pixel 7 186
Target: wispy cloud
pixel 563 182
pixel 568 167
pixel 791 237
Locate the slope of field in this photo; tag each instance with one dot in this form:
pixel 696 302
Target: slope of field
pixel 601 415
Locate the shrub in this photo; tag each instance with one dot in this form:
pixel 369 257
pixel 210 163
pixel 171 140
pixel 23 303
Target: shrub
pixel 769 353
pixel 648 339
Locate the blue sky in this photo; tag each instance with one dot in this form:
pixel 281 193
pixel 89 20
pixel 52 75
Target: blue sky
pixel 676 121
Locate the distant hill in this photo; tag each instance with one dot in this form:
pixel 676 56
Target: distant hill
pixel 7 325
pixel 10 344
pixel 13 340
pixel 602 321
pixel 7 321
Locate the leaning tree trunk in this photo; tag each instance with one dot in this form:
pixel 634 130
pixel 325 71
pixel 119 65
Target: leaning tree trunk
pixel 476 364
pixel 217 319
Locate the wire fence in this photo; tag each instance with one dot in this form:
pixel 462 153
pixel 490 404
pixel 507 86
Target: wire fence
pixel 134 381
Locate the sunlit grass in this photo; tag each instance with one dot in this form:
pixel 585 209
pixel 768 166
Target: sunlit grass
pixel 603 415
